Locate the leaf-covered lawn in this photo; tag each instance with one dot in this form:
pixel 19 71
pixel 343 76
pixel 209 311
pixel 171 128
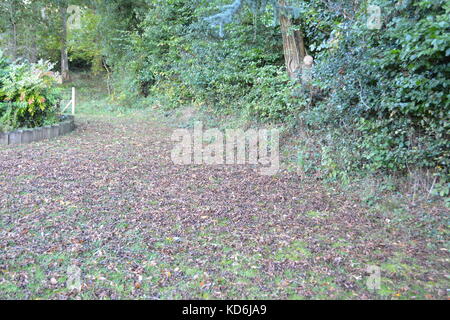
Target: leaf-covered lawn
pixel 108 199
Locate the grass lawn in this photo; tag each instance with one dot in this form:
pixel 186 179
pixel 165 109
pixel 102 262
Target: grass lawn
pixel 108 199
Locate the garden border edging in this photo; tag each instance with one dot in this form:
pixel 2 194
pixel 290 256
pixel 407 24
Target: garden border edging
pixel 38 134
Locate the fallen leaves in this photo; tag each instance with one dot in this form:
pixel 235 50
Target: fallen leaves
pixel 109 197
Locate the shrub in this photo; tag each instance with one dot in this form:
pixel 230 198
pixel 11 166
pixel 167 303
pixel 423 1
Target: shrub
pixel 28 97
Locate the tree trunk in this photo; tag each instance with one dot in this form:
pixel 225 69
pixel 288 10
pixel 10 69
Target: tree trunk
pixel 12 15
pixel 33 51
pixel 65 75
pixel 293 45
pixel 33 33
pixel 14 41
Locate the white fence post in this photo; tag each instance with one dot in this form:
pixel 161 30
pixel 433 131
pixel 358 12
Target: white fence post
pixel 73 100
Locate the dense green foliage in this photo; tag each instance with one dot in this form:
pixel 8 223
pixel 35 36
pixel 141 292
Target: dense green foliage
pixel 170 51
pixel 387 90
pixel 28 97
